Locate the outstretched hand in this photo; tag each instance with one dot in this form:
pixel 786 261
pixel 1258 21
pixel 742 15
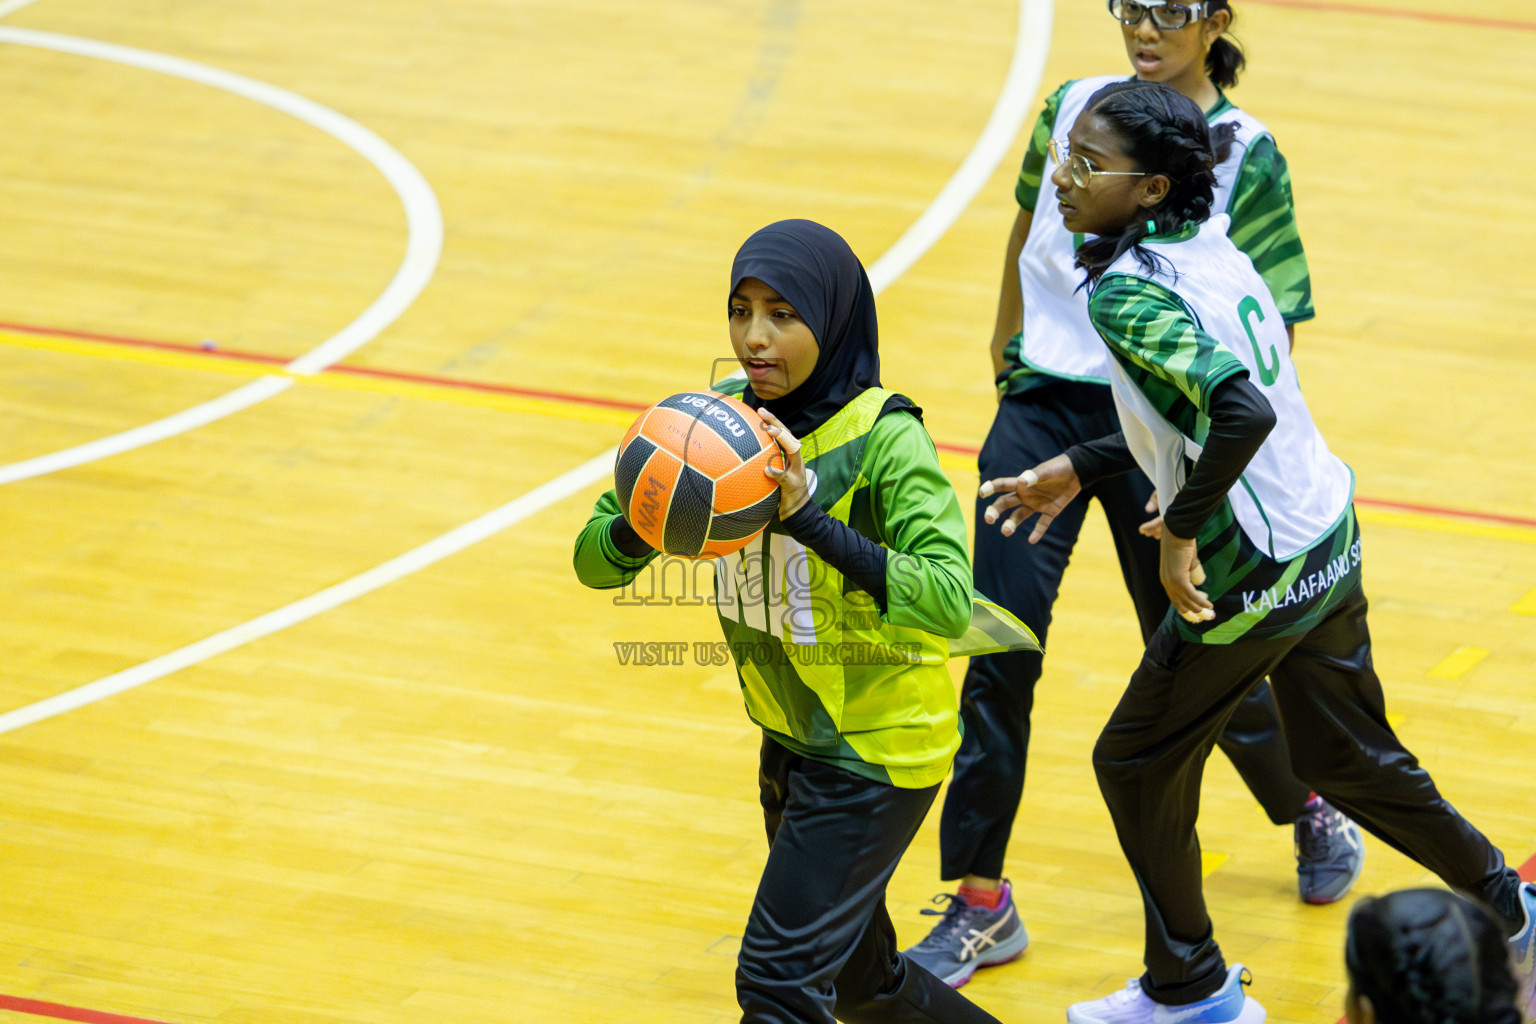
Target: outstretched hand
pixel 1044 490
pixel 1181 573
pixel 789 473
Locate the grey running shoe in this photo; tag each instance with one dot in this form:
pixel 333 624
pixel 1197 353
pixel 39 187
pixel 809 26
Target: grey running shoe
pixel 1329 852
pixel 970 937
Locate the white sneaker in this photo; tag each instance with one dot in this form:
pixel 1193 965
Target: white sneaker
pixel 1228 1005
pixel 1130 1005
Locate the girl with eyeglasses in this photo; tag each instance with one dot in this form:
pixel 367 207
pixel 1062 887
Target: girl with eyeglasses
pixel 1260 554
pixel 1052 374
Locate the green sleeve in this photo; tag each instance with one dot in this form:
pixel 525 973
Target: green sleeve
pixel 598 563
pixel 928 570
pixel 1151 333
pixel 1027 191
pixel 1264 227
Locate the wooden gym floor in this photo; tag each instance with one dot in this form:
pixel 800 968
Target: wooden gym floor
pixel 317 321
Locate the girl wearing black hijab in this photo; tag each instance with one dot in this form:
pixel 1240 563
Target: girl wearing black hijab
pixel 840 618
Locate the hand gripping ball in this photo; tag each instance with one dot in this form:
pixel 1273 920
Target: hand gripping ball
pixel 690 475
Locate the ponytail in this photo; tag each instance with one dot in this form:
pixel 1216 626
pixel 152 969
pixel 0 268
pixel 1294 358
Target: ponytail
pixel 1225 58
pixel 1097 254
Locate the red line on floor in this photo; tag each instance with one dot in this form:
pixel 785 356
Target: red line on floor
pixel 168 346
pixel 213 351
pixel 58 1011
pixel 1399 506
pixel 1487 517
pixel 500 389
pixel 1388 12
pixel 608 403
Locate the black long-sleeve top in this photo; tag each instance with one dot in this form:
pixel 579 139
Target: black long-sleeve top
pixel 1241 418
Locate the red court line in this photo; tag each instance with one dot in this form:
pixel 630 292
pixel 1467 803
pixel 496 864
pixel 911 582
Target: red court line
pixel 1486 517
pixel 58 1011
pixel 213 351
pixel 609 403
pixel 501 389
pixel 118 339
pixel 1398 506
pixel 1386 12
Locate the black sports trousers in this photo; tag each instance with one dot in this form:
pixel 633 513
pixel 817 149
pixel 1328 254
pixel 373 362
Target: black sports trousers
pixel 1150 756
pixel 819 944
pixel 999 690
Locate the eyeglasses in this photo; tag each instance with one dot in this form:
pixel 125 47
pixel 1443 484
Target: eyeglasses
pixel 1078 166
pixel 1164 16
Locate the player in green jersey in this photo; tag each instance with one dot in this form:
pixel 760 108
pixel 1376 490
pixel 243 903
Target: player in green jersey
pixel 1260 553
pixel 1052 373
pixel 868 555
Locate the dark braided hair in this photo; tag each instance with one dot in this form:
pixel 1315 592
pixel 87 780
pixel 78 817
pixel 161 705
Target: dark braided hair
pixel 1225 57
pixel 1165 132
pixel 1427 956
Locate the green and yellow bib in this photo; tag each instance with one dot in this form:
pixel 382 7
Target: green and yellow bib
pixel 819 669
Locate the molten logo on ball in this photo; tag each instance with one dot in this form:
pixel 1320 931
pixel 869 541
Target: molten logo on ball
pixel 690 475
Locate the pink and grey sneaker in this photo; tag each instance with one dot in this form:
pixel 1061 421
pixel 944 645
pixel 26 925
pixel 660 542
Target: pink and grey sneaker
pixel 1329 852
pixel 969 937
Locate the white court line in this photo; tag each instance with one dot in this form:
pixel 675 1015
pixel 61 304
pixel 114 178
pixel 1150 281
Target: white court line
pixel 1031 43
pixel 1025 80
pixel 12 6
pixel 258 390
pixel 424 245
pixel 433 551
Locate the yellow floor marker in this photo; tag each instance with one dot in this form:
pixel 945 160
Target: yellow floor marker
pixel 1209 862
pixel 1526 605
pixel 1458 663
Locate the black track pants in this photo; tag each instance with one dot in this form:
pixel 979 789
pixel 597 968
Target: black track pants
pixel 819 944
pixel 999 690
pixel 1150 756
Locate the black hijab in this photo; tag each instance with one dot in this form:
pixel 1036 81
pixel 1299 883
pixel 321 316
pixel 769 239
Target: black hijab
pixel 818 274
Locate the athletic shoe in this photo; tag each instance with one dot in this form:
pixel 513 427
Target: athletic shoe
pixel 1229 1005
pixel 1522 949
pixel 970 937
pixel 1130 1005
pixel 1329 852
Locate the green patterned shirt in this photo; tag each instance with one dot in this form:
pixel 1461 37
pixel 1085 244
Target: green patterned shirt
pixel 1263 223
pixel 1157 339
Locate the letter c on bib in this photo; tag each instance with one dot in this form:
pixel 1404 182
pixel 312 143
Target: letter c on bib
pixel 1267 373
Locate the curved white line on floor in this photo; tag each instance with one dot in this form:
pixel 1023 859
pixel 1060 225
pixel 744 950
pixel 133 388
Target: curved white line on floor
pixel 436 550
pixel 258 390
pixel 1031 43
pixel 12 6
pixel 493 522
pixel 424 245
